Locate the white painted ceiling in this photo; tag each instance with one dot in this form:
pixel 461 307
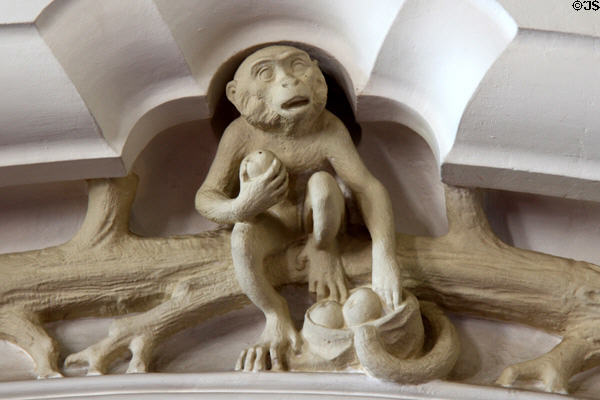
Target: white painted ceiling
pixel 504 92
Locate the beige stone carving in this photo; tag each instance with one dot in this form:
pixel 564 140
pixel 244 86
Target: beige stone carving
pixel 176 282
pixel 282 147
pixel 387 343
pixel 180 281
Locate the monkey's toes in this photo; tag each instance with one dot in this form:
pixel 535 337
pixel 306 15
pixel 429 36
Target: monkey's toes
pixel 252 359
pixel 50 374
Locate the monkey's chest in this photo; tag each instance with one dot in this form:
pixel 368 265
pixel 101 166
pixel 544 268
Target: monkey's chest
pixel 299 157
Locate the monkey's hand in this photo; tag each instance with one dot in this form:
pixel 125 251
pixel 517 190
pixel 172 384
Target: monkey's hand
pixel 260 193
pixel 386 279
pixel 279 336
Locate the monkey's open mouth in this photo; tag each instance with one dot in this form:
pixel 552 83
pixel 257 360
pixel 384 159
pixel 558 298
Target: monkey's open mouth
pixel 295 102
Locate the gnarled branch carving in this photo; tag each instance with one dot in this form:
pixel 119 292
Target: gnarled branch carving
pixel 180 281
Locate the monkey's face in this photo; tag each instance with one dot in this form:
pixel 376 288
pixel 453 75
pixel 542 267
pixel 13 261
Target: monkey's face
pixel 277 87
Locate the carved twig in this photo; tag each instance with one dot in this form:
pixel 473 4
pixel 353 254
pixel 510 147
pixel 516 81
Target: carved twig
pixel 180 281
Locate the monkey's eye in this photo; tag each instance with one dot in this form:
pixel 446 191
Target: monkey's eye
pixel 265 73
pixel 299 65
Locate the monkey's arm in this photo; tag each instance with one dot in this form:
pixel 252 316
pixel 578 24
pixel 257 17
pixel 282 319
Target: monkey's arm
pixel 214 198
pixel 376 209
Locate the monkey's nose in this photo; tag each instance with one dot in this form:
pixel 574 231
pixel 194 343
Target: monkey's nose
pixel 288 82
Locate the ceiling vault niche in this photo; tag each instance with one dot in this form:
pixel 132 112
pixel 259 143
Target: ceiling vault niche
pixel 128 71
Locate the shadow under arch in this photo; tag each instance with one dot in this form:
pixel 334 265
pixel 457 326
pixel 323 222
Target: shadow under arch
pixel 158 119
pixel 371 108
pixel 400 148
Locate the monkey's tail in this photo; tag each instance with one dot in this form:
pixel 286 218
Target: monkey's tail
pixel 436 363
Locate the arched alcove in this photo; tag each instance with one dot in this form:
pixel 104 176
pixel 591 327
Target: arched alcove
pixel 128 71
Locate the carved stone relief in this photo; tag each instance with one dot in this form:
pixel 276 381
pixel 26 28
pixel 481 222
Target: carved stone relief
pixel 283 176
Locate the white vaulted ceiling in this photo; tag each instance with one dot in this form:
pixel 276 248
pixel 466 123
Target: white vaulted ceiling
pixel 86 84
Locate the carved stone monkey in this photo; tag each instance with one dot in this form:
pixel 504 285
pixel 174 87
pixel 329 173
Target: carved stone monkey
pixel 281 93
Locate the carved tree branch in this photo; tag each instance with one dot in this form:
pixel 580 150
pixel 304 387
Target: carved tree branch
pixel 180 281
pixel 471 270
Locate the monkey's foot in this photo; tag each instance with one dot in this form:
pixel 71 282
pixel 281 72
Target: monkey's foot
pixel 326 275
pixel 269 353
pixel 543 369
pixel 48 374
pixel 122 337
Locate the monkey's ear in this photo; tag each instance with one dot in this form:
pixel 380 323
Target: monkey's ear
pixel 230 92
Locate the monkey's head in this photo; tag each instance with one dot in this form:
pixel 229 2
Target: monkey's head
pixel 277 87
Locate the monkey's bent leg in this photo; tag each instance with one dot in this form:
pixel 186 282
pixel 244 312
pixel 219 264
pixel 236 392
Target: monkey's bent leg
pixel 26 331
pixel 324 209
pixel 553 369
pixel 251 242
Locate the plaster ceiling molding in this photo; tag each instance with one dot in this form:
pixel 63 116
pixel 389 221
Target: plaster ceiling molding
pixel 21 12
pixel 431 62
pixel 255 386
pixel 137 68
pixel 126 66
pixel 532 125
pixel 211 32
pixel 44 121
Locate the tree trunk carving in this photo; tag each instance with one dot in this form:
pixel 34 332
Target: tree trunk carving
pixel 180 281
